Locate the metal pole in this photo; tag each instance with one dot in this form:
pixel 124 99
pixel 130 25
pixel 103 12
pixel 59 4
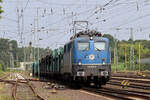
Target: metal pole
pixel 24 56
pixel 38 40
pixel 23 39
pixel 34 42
pixel 18 22
pixel 11 56
pixel 116 51
pixel 125 55
pixel 22 29
pixel 139 57
pixel 30 46
pixel 38 62
pixel 132 51
pixel 115 59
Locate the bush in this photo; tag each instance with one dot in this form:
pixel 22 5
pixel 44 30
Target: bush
pixel 2 65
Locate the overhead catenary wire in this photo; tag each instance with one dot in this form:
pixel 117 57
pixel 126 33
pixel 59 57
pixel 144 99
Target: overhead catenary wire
pixel 111 7
pixel 82 12
pixel 62 4
pixel 79 13
pixel 87 12
pixel 105 5
pixel 69 16
pixel 120 3
pixel 26 5
pixel 122 14
pixel 136 19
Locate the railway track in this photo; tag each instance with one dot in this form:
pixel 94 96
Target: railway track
pixel 134 75
pixel 22 89
pixel 129 93
pixel 119 94
pixel 21 85
pixel 106 93
pixel 137 87
pixel 134 83
pixel 139 80
pixel 1 78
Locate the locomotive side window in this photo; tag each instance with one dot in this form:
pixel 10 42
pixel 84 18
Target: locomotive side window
pixel 82 46
pixel 69 46
pixel 99 46
pixel 65 49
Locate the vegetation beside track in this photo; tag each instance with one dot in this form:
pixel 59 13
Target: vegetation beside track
pixel 121 68
pixel 4 95
pixel 1 73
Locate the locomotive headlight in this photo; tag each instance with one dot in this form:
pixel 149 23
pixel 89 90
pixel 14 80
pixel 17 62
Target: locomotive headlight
pixel 91 38
pixel 103 60
pixel 79 63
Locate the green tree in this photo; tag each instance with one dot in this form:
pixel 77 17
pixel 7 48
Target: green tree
pixel 2 65
pixel 111 39
pixel 1 11
pixel 4 51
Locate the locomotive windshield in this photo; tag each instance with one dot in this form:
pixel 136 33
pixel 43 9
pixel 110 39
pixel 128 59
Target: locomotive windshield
pixel 83 46
pixel 99 46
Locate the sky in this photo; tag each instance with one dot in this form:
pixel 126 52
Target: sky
pixel 53 19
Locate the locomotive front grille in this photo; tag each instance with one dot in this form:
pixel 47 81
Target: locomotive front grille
pixel 88 70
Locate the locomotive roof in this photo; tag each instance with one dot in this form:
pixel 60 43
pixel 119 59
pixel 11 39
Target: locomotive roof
pixel 85 35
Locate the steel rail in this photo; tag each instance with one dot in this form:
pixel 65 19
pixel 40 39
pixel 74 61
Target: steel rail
pixel 15 83
pixel 132 80
pixel 4 76
pixel 14 92
pixel 128 93
pixel 32 88
pixel 132 76
pixel 131 85
pixel 107 93
pixel 36 94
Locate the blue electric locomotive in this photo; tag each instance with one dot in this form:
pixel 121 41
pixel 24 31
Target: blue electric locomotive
pixel 86 59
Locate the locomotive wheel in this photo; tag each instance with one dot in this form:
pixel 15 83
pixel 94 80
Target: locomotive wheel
pixel 98 85
pixel 75 84
pixel 87 83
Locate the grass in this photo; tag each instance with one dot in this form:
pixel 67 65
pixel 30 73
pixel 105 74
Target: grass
pixel 5 98
pixel 3 93
pixel 2 73
pixel 121 68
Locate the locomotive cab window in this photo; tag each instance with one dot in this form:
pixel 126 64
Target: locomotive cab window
pixel 99 46
pixel 83 46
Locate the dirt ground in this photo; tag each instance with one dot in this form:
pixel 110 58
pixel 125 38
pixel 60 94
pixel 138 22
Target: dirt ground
pixel 5 91
pixel 66 94
pixel 46 93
